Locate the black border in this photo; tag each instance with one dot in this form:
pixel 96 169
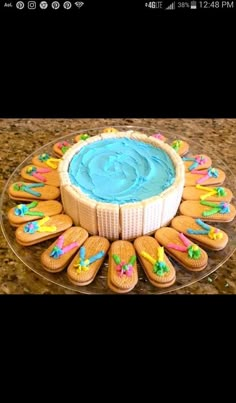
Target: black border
pixel 118 64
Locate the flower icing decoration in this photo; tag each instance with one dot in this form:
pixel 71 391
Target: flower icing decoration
pixel 124 268
pixel 159 266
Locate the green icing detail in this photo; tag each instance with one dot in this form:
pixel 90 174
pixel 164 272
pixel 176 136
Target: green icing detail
pixel 194 252
pixel 132 260
pixel 116 259
pixel 160 268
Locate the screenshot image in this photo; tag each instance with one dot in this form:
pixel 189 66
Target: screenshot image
pixel 103 206
pixel 117 164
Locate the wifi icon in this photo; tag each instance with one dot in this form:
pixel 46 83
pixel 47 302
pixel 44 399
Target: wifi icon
pixel 79 4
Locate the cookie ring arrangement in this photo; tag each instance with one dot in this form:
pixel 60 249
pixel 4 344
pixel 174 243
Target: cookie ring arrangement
pixel 137 236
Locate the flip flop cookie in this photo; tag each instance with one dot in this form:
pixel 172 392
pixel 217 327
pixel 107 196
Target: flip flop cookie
pixel 58 255
pixel 38 231
pixel 211 176
pixel 86 264
pixel 33 191
pixel 61 147
pixel 159 270
pixel 35 210
pixel 205 235
pixel 208 211
pixel 200 192
pixel 110 130
pixel 46 161
pixel 36 174
pixel 83 136
pixel 159 136
pixel 199 161
pixel 188 254
pixel 122 270
pixel 180 146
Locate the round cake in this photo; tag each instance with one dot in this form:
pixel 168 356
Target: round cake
pixel 121 185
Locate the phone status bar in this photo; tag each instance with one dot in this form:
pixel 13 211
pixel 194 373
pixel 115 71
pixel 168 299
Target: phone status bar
pixel 189 5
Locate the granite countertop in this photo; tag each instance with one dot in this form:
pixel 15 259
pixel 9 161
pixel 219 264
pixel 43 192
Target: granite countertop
pixel 20 137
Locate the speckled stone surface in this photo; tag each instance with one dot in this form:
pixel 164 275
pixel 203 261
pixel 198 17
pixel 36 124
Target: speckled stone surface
pixel 20 137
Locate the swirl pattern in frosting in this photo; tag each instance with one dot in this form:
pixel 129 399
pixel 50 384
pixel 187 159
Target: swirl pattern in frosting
pixel 121 170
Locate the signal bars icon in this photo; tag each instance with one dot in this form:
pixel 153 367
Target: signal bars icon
pixel 171 6
pixel 79 4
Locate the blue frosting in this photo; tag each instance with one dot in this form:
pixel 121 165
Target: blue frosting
pixel 121 170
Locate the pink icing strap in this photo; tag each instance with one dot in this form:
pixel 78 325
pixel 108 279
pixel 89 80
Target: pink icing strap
pixel 181 248
pixel 36 172
pixel 67 248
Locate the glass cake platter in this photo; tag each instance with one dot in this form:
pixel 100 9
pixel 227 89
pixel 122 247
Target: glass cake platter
pixel 30 255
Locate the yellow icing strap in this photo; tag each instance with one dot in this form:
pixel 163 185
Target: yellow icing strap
pixel 148 257
pixel 219 191
pixel 38 226
pixel 160 254
pixel 53 162
pixel 52 228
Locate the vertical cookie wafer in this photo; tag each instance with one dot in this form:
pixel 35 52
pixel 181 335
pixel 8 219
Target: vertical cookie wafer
pixel 152 212
pixel 108 220
pixel 131 218
pixel 117 135
pixel 171 199
pixel 70 202
pixel 88 215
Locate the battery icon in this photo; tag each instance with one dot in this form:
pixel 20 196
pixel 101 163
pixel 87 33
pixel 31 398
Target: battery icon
pixel 193 5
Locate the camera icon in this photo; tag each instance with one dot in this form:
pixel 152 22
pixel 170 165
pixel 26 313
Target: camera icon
pixel 31 5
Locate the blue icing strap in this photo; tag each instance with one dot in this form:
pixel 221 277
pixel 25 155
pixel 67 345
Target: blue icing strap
pixel 121 170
